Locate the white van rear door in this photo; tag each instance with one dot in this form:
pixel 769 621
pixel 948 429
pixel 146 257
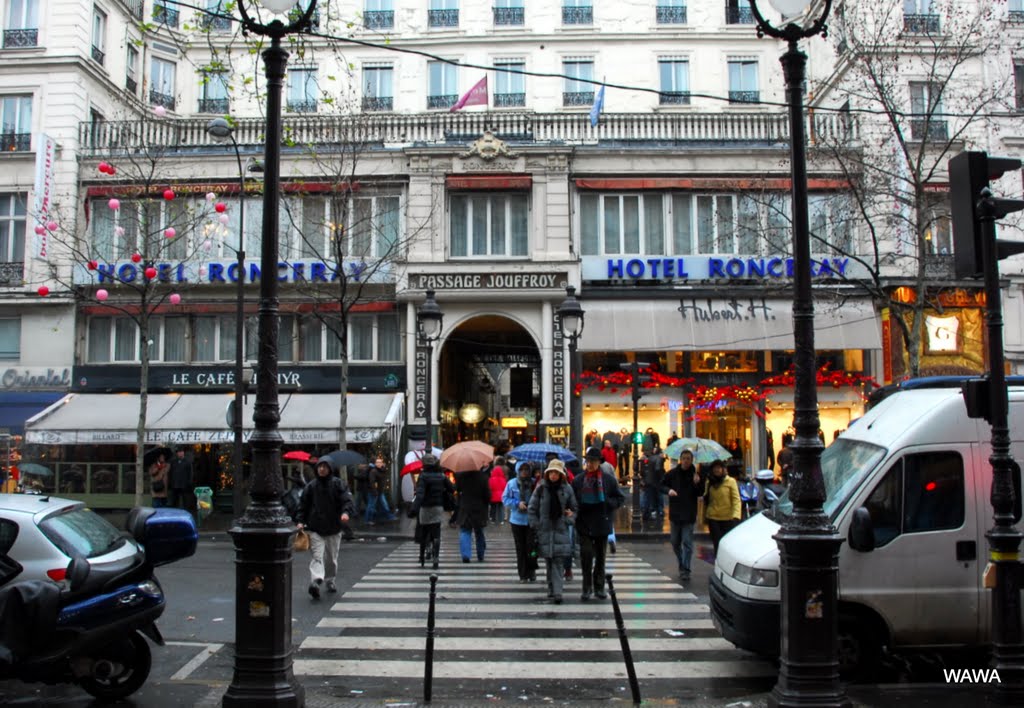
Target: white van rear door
pixel 922 576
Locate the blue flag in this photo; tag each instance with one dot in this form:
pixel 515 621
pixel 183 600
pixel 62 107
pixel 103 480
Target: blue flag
pixel 595 110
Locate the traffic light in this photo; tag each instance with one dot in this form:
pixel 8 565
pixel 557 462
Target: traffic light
pixel 638 390
pixel 638 438
pixel 969 175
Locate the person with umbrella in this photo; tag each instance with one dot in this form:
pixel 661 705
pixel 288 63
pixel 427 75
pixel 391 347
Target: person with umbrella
pixel 158 480
pixel 434 493
pixel 551 511
pixel 474 503
pixel 325 509
pixel 598 496
pixel 180 477
pixel 723 503
pixel 682 485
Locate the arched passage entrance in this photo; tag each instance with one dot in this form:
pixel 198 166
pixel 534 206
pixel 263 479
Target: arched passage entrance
pixel 489 373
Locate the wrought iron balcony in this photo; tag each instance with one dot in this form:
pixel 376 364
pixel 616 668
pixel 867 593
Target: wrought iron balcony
pixel 578 15
pixel 215 24
pixel 577 98
pixel 98 55
pixel 161 99
pixel 166 15
pixel 443 18
pixel 307 106
pixel 744 96
pixel 738 15
pixel 213 105
pixel 1015 17
pixel 135 8
pixel 928 130
pixel 939 266
pixel 378 103
pixel 20 38
pixel 509 100
pixel 441 101
pixel 12 273
pixel 509 15
pixel 131 84
pixel 674 98
pixel 15 142
pixel 921 24
pixel 379 19
pixel 670 15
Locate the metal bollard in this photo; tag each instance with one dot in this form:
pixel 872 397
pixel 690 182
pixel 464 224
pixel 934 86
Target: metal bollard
pixel 428 668
pixel 627 655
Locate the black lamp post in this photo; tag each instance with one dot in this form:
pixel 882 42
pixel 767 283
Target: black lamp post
pixel 221 130
pixel 571 315
pixel 263 673
pixel 808 542
pixel 429 320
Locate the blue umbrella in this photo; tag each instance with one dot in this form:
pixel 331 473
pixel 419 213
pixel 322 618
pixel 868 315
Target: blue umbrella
pixel 538 452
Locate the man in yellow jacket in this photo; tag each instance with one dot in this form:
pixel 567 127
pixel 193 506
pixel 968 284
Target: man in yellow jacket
pixel 722 498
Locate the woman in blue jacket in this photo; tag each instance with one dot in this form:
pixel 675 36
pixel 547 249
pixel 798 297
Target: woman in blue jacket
pixel 516 498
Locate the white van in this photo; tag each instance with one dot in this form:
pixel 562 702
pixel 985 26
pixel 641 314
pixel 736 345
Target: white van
pixel 920 467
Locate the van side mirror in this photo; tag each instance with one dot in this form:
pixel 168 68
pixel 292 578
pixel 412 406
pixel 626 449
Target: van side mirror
pixel 862 531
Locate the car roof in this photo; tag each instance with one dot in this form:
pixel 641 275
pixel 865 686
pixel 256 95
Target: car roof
pixel 34 503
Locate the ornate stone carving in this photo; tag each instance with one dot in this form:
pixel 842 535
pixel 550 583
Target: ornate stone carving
pixel 487 148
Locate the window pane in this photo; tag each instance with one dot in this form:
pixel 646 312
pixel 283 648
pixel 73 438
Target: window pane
pixel 227 337
pixel 589 243
pixel 682 238
pixel 748 225
pixel 933 492
pixel 631 223
pixel 333 333
pixel 519 218
pixel 286 339
pixel 885 506
pixel 725 225
pixel 498 209
pixel 360 230
pixel 361 340
pixel 175 338
pixel 10 338
pixel 99 340
pixel 204 339
pixel 311 245
pixel 460 218
pixel 705 225
pixel 611 225
pixel 654 226
pixel 103 231
pixel 387 226
pixel 310 343
pixel 479 237
pixel 125 332
pixel 389 340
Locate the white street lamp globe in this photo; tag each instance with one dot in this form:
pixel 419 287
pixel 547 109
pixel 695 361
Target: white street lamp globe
pixel 787 8
pixel 278 7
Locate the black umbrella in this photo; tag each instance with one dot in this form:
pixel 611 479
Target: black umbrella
pixel 340 458
pixel 151 456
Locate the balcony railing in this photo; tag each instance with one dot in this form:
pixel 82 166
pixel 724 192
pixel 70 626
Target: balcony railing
pixel 509 100
pixel 20 38
pixel 577 98
pixel 15 142
pixel 131 84
pixel 307 106
pixel 744 96
pixel 939 265
pixel 213 105
pixel 1015 17
pixel 378 103
pixel 161 99
pixel 12 273
pixel 509 15
pixel 135 8
pixel 98 55
pixel 670 15
pixel 674 98
pixel 215 24
pixel 921 24
pixel 762 128
pixel 577 15
pixel 738 16
pixel 441 101
pixel 443 18
pixel 930 131
pixel 166 15
pixel 379 19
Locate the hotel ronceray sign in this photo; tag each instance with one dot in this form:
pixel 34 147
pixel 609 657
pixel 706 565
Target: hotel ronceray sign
pixel 487 281
pixel 221 272
pixel 716 267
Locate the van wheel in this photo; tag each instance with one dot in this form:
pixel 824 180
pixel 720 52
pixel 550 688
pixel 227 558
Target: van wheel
pixel 859 649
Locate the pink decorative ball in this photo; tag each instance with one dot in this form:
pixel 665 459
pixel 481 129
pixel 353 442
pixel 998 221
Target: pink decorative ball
pixel 119 230
pixel 207 245
pixel 159 111
pixel 150 272
pixel 210 196
pixel 168 194
pixel 43 291
pixel 136 257
pixel 40 229
pixel 220 207
pixel 114 204
pixel 202 271
pixel 101 295
pixel 224 219
pixel 175 298
pixel 51 225
pixel 170 232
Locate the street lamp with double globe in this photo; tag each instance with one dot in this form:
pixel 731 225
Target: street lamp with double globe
pixel 808 542
pixel 570 313
pixel 263 673
pixel 429 320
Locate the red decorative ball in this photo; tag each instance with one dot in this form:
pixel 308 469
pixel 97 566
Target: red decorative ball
pixel 103 167
pixel 168 194
pixel 43 291
pixel 111 170
pixel 136 257
pixel 93 265
pixel 150 272
pixel 220 207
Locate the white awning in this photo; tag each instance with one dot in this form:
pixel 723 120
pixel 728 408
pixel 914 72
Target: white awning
pixel 188 418
pixel 723 323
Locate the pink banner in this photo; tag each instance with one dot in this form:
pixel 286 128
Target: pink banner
pixel 476 96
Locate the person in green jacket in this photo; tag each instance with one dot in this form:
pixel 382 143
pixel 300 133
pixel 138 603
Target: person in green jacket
pixel 722 498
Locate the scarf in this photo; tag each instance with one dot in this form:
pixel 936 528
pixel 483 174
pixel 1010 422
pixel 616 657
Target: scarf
pixel 525 488
pixel 555 504
pixel 592 489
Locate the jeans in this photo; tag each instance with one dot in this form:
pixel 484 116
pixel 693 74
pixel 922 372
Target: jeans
pixel 650 503
pixel 592 555
pixel 466 542
pixel 682 543
pixel 375 500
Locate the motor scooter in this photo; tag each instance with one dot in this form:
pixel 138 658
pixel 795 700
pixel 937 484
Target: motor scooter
pixel 93 633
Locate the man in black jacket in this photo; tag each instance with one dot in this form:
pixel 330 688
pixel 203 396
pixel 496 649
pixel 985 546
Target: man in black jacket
pixel 682 484
pixel 598 496
pixel 325 509
pixel 180 480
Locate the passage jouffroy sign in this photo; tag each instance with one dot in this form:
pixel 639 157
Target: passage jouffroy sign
pixel 487 281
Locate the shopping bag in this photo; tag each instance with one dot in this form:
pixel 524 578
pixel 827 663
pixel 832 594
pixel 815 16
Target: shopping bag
pixel 301 542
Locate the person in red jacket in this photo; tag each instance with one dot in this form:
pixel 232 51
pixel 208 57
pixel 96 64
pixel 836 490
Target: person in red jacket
pixel 609 454
pixel 497 482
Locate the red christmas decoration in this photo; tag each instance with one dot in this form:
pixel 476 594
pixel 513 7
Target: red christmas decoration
pixel 150 272
pixel 92 265
pixel 136 257
pixel 168 194
pixel 220 207
pixel 43 291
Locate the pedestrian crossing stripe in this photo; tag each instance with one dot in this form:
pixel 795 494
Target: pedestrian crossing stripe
pixel 486 585
pixel 510 670
pixel 508 644
pixel 513 609
pixel 525 593
pixel 639 624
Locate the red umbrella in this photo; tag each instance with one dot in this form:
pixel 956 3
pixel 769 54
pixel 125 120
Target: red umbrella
pixel 414 466
pixel 299 455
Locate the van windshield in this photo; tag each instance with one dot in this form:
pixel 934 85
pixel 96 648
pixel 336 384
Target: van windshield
pixel 844 464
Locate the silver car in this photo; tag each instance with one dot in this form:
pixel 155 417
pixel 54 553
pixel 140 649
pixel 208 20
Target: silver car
pixel 45 533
